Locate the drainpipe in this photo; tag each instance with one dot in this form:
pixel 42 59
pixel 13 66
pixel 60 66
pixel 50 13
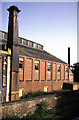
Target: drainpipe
pixel 2 78
pixel 8 79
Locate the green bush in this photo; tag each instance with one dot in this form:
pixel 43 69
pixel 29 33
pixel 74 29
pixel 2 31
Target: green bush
pixel 34 94
pixel 40 112
pixel 39 93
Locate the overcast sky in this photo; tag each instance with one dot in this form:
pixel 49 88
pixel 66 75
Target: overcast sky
pixel 52 24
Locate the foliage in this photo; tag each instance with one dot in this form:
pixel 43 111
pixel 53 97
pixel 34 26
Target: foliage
pixel 66 108
pixel 39 93
pixel 75 70
pixel 33 94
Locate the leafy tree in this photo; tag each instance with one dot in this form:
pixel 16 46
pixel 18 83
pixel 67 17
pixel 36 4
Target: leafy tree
pixel 75 70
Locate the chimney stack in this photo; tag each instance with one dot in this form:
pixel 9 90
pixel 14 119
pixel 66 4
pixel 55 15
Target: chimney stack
pixel 69 56
pixel 12 44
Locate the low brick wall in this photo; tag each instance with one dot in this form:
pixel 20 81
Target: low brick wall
pixel 21 107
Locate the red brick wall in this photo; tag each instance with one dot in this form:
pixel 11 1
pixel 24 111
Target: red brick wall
pixel 28 72
pixel 37 80
pixel 62 71
pixel 43 67
pixel 54 71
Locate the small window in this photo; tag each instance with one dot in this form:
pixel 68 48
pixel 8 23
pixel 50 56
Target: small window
pixel 4 69
pixel 3 35
pixel 35 45
pixel 70 74
pixel 0 34
pixel 20 40
pixel 38 46
pixel 49 67
pixel 20 64
pixel 36 66
pixel 24 42
pixel 58 68
pixel 30 44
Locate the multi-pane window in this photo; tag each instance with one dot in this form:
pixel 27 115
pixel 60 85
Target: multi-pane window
pixel 39 47
pixel 66 69
pixel 20 40
pixel 36 66
pixel 49 67
pixel 4 69
pixel 24 42
pixel 0 34
pixel 20 64
pixel 3 35
pixel 34 45
pixel 58 68
pixel 30 43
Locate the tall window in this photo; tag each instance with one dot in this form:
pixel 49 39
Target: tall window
pixel 20 63
pixel 66 69
pixel 26 42
pixel 36 66
pixel 58 68
pixel 48 67
pixel 0 34
pixel 3 35
pixel 4 69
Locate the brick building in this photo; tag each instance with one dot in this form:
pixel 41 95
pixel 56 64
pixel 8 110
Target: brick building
pixel 26 66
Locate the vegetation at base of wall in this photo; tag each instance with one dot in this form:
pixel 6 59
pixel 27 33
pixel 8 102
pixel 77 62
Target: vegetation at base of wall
pixel 39 93
pixel 67 108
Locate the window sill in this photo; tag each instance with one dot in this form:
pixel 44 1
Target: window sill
pixel 21 80
pixel 28 80
pixel 36 80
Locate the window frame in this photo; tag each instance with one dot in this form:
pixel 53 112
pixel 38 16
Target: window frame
pixel 21 60
pixel 58 68
pixel 37 63
pixel 49 69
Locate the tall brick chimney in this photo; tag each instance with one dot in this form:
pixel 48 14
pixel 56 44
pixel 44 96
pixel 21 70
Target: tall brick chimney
pixel 12 43
pixel 69 56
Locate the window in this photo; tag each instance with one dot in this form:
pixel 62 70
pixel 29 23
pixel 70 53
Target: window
pixel 70 74
pixel 38 46
pixel 49 67
pixel 4 69
pixel 0 34
pixel 66 69
pixel 35 45
pixel 58 68
pixel 20 64
pixel 3 35
pixel 36 66
pixel 20 40
pixel 30 44
pixel 24 42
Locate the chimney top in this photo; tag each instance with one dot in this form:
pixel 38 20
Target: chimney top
pixel 12 8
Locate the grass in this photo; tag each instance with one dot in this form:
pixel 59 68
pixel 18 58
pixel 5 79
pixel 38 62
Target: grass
pixel 66 109
pixel 39 93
